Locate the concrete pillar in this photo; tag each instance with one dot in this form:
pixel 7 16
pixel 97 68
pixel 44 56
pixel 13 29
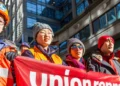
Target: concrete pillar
pixel 74 9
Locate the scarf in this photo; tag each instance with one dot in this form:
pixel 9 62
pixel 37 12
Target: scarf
pixel 109 59
pixel 74 63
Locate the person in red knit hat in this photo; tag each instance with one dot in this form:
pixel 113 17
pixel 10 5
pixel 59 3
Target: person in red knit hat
pixel 104 60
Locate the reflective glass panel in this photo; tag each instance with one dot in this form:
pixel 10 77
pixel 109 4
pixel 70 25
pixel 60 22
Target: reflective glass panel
pixel 111 16
pixel 63 47
pixel 31 7
pixel 118 11
pixel 30 22
pixel 103 22
pixel 96 25
pixel 85 33
pixel 80 9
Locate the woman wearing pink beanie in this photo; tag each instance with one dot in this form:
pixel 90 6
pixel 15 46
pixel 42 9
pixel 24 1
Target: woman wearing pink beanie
pixel 76 50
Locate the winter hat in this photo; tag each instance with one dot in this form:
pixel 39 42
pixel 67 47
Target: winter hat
pixel 39 26
pixel 25 44
pixel 72 41
pixel 4 13
pixel 102 39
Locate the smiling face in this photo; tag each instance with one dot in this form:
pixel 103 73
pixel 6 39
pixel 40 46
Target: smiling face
pixel 108 47
pixel 76 51
pixel 44 37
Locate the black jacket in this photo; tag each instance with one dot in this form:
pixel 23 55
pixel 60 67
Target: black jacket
pixel 97 64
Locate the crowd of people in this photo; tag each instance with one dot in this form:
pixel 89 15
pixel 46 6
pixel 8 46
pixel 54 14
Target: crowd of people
pixel 103 60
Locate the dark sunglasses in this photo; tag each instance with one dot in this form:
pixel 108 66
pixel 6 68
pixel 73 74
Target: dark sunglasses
pixel 75 47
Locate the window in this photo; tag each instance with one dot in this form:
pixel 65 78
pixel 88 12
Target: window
pixel 67 19
pixel 80 8
pixel 86 3
pixel 118 11
pixel 42 1
pixel 30 22
pixel 44 12
pixel 96 25
pixel 47 1
pixel 31 7
pixel 106 19
pixel 111 16
pixel 58 14
pixel 103 22
pixel 85 33
pixel 77 35
pixel 63 47
pixel 77 1
pixel 66 8
pixel 40 9
pixel 50 13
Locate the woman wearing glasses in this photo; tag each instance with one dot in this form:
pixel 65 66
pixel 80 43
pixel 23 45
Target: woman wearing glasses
pixel 76 50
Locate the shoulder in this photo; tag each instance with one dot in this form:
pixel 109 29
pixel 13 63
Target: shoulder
pixel 55 55
pixel 95 56
pixel 28 53
pixel 117 59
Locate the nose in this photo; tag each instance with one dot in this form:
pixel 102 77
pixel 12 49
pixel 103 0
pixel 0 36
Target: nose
pixel 46 34
pixel 79 48
pixel 110 42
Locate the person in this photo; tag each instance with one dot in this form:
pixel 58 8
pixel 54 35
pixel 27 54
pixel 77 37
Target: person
pixel 104 60
pixel 76 50
pixel 24 46
pixel 42 51
pixel 7 51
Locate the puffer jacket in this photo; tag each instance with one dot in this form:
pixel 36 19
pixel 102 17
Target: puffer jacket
pixel 38 53
pixel 7 53
pixel 96 63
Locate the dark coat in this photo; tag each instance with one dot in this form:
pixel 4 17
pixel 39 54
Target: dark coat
pixel 96 63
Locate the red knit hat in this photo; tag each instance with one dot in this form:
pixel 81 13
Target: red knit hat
pixel 102 39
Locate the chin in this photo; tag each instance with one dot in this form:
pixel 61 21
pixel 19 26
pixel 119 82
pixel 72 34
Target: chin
pixel 110 51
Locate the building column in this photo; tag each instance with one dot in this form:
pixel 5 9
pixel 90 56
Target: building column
pixel 74 8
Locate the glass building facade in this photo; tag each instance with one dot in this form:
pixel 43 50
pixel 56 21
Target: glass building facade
pixel 100 23
pixel 82 19
pixel 56 13
pixel 56 10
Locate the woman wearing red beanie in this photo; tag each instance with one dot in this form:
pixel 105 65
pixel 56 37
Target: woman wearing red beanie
pixel 104 60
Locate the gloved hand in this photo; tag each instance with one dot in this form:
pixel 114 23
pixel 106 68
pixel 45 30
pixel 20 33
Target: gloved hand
pixel 11 55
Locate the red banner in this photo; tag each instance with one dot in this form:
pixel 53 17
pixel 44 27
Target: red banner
pixel 30 72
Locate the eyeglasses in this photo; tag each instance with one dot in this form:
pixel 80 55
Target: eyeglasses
pixel 75 47
pixel 44 33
